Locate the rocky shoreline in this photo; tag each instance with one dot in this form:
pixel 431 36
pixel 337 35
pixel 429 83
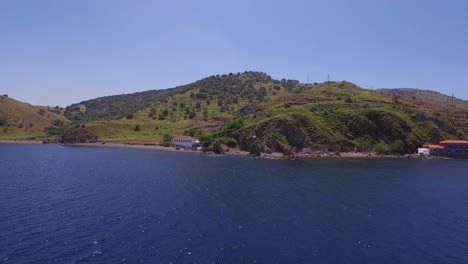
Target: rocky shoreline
pixel 237 152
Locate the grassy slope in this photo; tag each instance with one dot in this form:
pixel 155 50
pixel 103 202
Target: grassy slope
pixel 24 120
pixel 339 115
pixel 152 130
pixel 324 113
pixel 326 118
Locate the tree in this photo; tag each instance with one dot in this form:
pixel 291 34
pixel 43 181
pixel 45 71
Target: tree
pixel 167 138
pixel 3 120
pixel 206 138
pixel 191 115
pixel 136 128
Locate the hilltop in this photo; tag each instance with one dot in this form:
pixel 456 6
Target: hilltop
pixel 259 114
pixel 21 121
pixel 202 106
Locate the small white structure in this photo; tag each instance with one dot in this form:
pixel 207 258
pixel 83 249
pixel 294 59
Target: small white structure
pixel 185 142
pixel 424 151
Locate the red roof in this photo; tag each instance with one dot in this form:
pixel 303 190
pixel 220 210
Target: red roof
pixel 454 142
pixel 433 146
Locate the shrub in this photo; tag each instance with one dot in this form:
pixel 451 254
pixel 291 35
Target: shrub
pixel 58 123
pixel 206 138
pixel 398 147
pixel 167 138
pixel 382 148
pixel 232 143
pixel 129 116
pixel 54 131
pixel 3 120
pixel 136 128
pixel 348 100
pixel 236 124
pixel 191 115
pixel 161 116
pixel 152 112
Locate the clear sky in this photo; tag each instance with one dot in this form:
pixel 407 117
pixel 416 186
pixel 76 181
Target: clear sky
pixel 57 52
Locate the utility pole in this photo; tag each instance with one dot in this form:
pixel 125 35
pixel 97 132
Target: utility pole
pixel 371 90
pixel 307 79
pixel 452 98
pixel 328 82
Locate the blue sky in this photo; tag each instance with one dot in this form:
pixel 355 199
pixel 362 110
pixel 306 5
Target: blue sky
pixel 55 52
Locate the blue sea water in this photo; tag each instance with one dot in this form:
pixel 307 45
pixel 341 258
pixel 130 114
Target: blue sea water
pixel 63 204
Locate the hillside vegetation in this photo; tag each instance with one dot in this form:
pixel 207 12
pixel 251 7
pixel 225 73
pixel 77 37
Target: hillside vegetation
pixel 20 121
pixel 199 107
pixel 260 114
pixel 341 116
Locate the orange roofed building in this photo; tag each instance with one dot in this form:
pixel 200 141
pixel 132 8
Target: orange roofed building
pixel 449 148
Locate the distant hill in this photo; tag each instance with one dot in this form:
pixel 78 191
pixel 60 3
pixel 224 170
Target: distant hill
pixel 21 121
pixel 424 95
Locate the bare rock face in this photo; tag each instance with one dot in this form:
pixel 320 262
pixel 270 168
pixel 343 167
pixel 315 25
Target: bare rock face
pixel 248 109
pixel 256 149
pixel 286 150
pixel 294 135
pixel 78 135
pixel 218 148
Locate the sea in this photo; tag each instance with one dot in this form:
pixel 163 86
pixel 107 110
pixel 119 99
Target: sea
pixel 73 204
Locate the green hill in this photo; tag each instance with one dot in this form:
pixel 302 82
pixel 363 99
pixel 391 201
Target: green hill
pixel 284 115
pixel 342 116
pixel 261 114
pixel 20 121
pixel 202 106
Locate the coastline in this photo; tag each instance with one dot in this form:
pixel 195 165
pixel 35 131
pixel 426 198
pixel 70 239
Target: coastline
pixel 11 141
pixel 237 152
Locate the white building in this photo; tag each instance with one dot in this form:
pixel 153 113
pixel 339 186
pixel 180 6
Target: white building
pixel 424 151
pixel 185 142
